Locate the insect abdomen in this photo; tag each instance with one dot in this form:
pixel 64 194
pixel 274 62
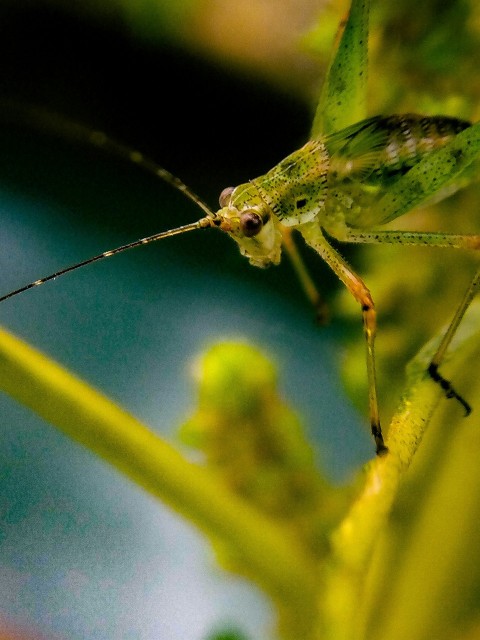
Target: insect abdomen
pixel 378 150
pixel 367 158
pixel 410 137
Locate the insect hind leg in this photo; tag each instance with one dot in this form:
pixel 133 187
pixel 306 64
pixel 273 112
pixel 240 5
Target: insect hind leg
pixel 439 355
pixel 427 238
pixel 447 387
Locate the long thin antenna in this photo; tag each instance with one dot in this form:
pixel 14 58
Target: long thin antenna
pixel 102 141
pixel 47 121
pixel 42 119
pixel 203 223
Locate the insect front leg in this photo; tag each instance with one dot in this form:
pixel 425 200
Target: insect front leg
pixel 314 237
pixel 306 281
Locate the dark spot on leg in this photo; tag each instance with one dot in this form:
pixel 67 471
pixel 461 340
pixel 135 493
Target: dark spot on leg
pixel 447 388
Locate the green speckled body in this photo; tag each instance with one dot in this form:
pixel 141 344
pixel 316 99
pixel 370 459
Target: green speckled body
pixel 357 178
pixel 367 159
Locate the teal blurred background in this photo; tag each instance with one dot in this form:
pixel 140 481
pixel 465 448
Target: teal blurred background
pixel 83 552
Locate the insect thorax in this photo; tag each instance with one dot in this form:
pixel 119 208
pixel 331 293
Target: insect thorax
pixel 296 188
pixel 291 193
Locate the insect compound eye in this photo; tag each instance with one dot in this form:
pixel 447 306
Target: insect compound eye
pixel 224 198
pixel 250 223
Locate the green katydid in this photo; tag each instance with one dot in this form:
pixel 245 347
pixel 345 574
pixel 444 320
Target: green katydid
pixel 353 176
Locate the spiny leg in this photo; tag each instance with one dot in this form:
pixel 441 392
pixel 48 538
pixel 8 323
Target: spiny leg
pixel 306 281
pixel 314 237
pixel 412 238
pixel 431 239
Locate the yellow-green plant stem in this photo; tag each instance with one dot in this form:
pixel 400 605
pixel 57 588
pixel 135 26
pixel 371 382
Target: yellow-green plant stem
pixel 346 606
pixel 268 553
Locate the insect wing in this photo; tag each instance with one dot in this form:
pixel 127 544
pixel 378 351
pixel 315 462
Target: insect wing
pixel 430 175
pixel 343 97
pixel 388 165
pixel 356 152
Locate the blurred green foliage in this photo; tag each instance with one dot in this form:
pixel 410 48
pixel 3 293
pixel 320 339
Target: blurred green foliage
pixel 227 635
pixel 256 444
pixel 412 574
